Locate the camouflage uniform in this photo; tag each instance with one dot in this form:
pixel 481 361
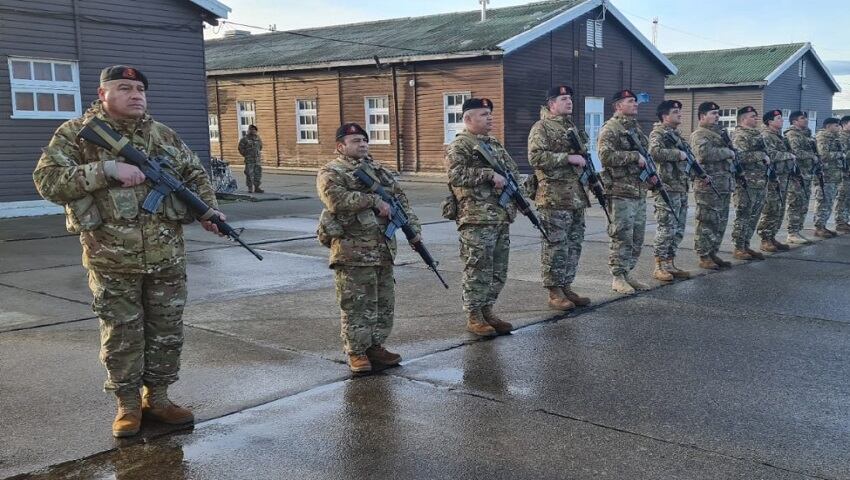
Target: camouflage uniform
pixel 712 213
pixel 774 203
pixel 560 197
pixel 484 226
pixel 671 169
pixel 842 199
pixel 751 153
pixel 800 142
pixel 832 156
pixel 136 261
pixel 361 256
pixel 251 147
pixel 626 190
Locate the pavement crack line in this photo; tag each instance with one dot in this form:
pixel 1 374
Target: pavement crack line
pixel 43 293
pixel 77 264
pixel 43 325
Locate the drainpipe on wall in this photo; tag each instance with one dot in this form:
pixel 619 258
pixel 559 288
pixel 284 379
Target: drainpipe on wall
pixel 397 122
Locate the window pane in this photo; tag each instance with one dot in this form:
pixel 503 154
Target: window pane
pixel 24 101
pixel 21 70
pixel 66 102
pixel 46 102
pixel 42 71
pixel 63 72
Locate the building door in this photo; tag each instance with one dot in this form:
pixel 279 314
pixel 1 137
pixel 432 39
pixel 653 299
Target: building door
pixel 594 113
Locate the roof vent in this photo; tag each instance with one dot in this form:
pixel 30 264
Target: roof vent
pixel 236 33
pixel 484 9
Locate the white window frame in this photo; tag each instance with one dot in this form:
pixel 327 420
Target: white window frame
pixel 786 119
pixel 45 87
pixel 249 115
pixel 813 120
pixel 594 117
pixel 309 129
pixel 215 131
pixel 593 37
pixel 729 116
pixel 376 130
pixel 451 129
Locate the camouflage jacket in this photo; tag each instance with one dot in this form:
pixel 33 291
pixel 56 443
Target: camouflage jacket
pixel 669 161
pixel 359 240
pixel 844 135
pixel 715 157
pixel 803 147
pixel 250 147
pixel 831 154
pixel 470 177
pixel 751 153
pixel 777 149
pixel 548 148
pixel 620 158
pixel 116 234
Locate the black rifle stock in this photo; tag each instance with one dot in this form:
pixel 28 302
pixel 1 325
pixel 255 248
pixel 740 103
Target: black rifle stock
pixel 589 176
pixel 693 164
pixel 737 168
pixel 650 171
pixel 161 182
pixel 797 172
pixel 817 166
pixel 399 220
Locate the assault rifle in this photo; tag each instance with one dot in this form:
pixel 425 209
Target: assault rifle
pixel 162 183
pixel 737 168
pixel 650 171
pixel 693 164
pixel 798 174
pixel 589 177
pixel 399 220
pixel 817 166
pixel 511 190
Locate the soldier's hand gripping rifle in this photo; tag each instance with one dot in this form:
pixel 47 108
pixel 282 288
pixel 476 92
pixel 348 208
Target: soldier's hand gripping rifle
pixel 589 177
pixel 650 172
pixel 817 166
pixel 161 182
pixel 693 165
pixel 772 177
pixel 399 220
pixel 511 190
pixel 737 168
pixel 797 172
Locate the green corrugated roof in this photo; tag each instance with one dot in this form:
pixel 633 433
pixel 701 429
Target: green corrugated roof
pixel 729 67
pixel 399 37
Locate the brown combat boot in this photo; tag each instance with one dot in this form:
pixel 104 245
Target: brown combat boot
pixel 842 227
pixel 768 246
pixel 250 189
pixel 755 254
pixel 128 420
pixel 502 327
pixel 157 406
pixel 660 272
pixel 259 190
pixel 707 263
pixel 821 232
pixel 742 254
pixel 379 354
pixel 574 297
pixel 719 261
pixel 359 363
pixel 779 245
pixel 559 301
pixel 620 285
pixel 676 271
pixel 476 324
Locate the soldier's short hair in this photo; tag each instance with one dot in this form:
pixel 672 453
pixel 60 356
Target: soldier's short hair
pixel 796 114
pixel 845 120
pixel 665 107
pixel 706 107
pixel 830 121
pixel 745 110
pixel 252 127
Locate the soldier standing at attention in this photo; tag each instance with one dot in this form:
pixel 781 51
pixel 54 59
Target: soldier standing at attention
pixel 484 225
pixel 832 158
pixel 774 204
pixel 800 142
pixel 626 190
pixel 353 225
pixel 251 147
pixel 136 261
pixel 748 204
pixel 560 197
pixel 712 213
pixel 672 164
pixel 842 201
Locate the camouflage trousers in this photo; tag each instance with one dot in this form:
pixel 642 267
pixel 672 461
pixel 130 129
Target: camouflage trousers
pixel 774 205
pixel 484 251
pixel 712 215
pixel 626 230
pixel 747 211
pixel 141 326
pixel 559 258
pixel 824 199
pixel 842 201
pixel 670 232
pixel 366 297
pixel 253 172
pixel 797 204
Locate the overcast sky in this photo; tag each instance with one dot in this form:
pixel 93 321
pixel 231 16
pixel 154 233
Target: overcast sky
pixel 683 25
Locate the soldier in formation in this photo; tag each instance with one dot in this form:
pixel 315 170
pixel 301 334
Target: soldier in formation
pixel 251 148
pixel 800 143
pixel 832 157
pixel 749 199
pixel 774 203
pixel 842 200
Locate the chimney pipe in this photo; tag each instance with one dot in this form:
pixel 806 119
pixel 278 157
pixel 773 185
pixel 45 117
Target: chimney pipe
pixel 483 9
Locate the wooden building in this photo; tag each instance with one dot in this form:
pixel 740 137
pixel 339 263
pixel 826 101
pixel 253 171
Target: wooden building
pixel 405 79
pixel 52 53
pixel 786 77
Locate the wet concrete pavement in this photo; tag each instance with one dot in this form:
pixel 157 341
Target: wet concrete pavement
pixel 734 374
